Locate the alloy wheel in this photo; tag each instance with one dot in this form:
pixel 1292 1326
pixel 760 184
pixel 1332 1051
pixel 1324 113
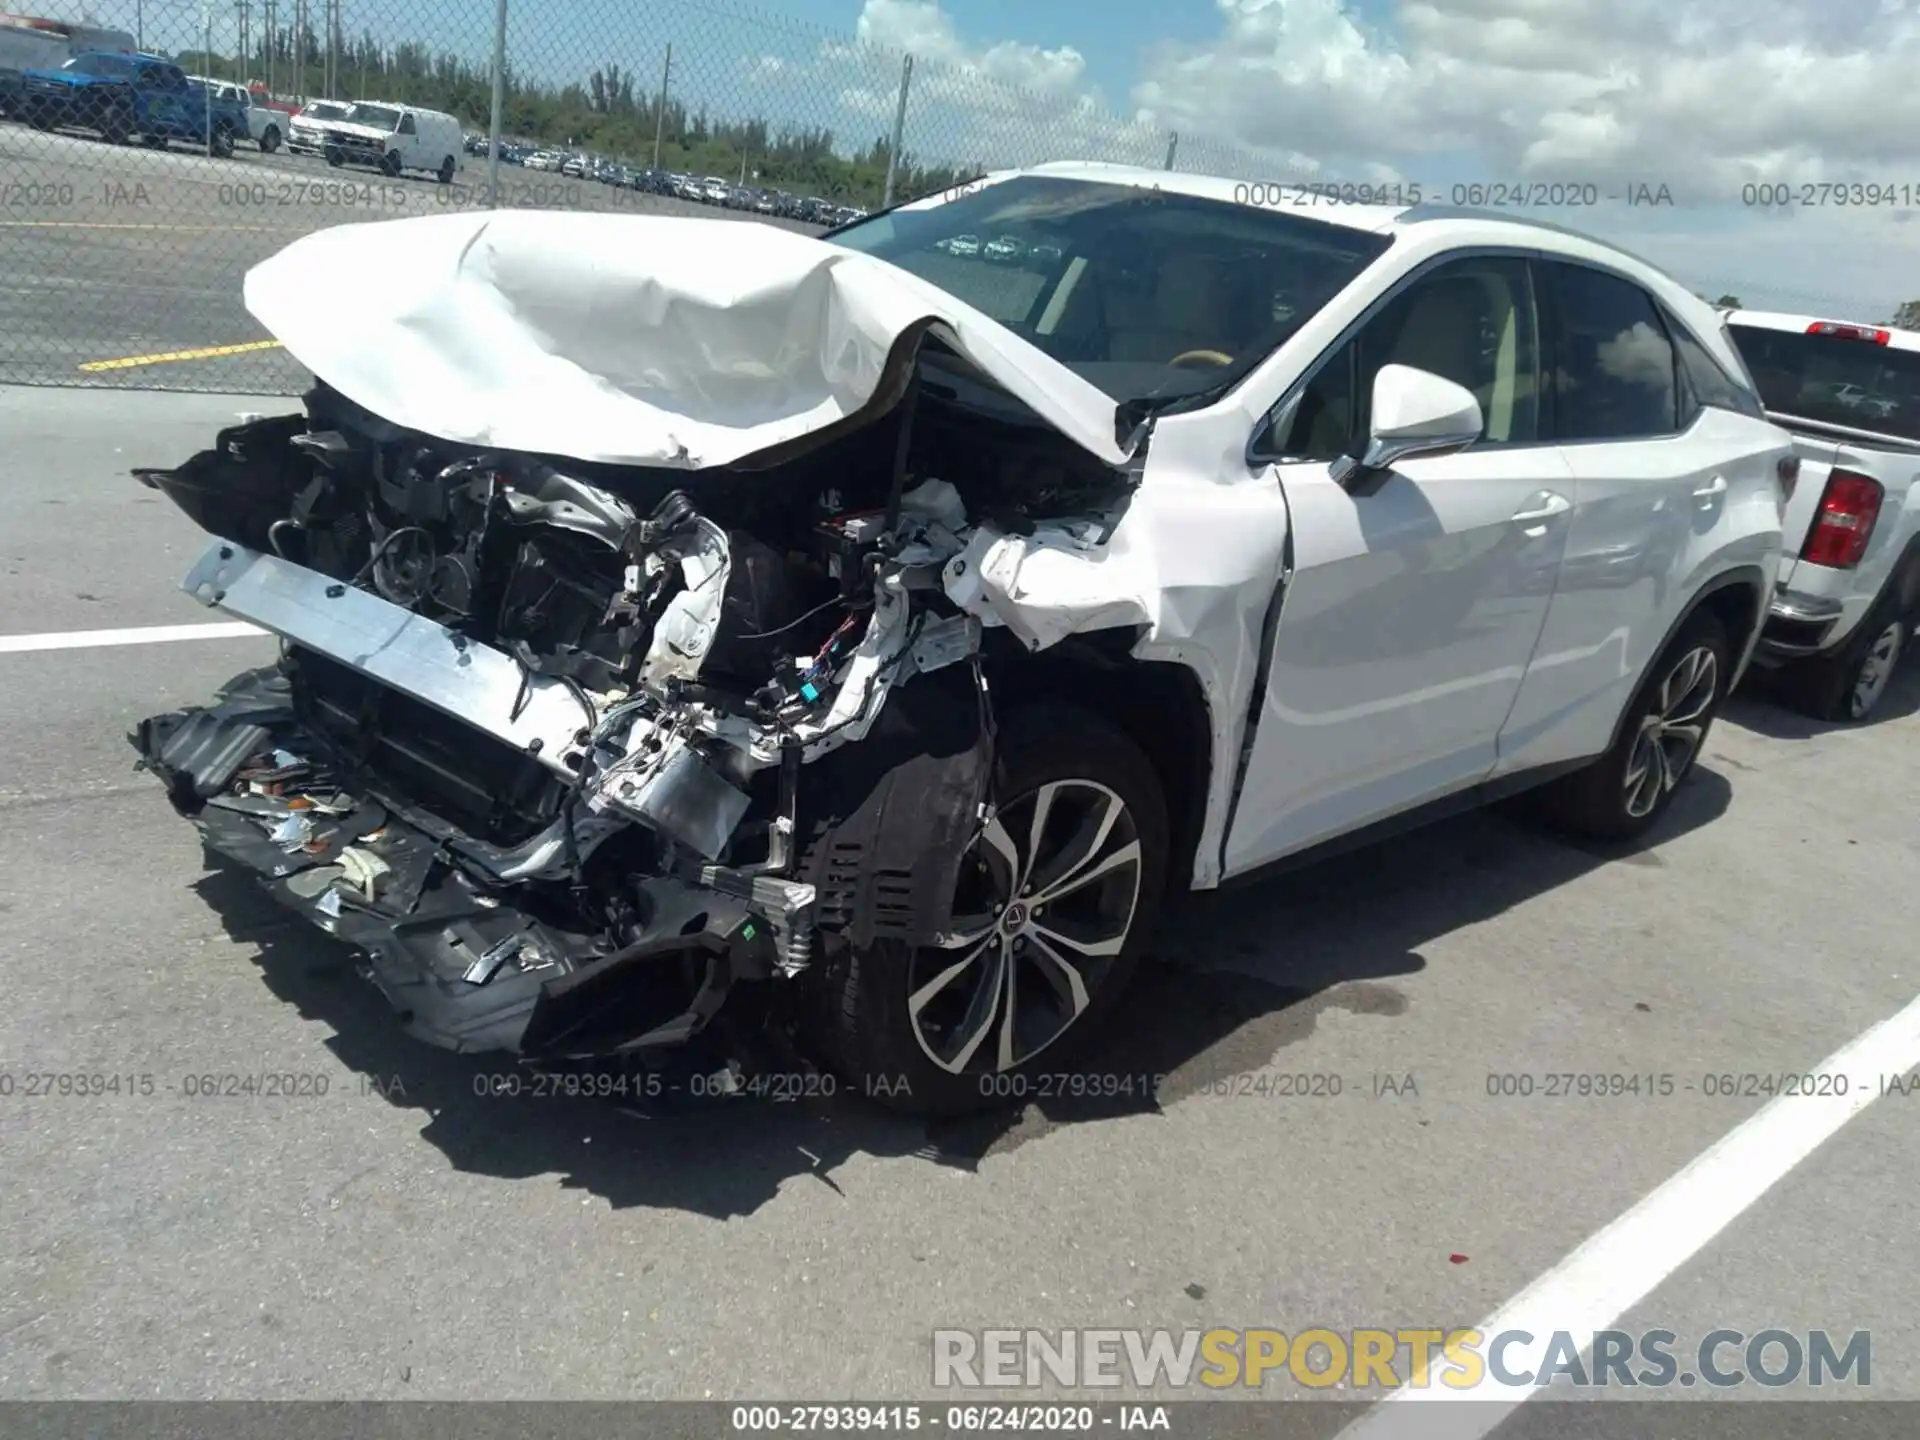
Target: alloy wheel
pixel 1046 903
pixel 1672 730
pixel 1876 669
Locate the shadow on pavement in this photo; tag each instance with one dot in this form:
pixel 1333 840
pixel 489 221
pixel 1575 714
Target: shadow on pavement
pixel 1237 977
pixel 1760 705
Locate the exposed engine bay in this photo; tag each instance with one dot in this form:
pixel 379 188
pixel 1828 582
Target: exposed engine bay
pixel 568 749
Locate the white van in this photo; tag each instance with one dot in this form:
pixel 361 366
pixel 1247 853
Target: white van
pixel 28 42
pixel 393 138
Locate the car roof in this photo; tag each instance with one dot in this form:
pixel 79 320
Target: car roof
pixel 1897 339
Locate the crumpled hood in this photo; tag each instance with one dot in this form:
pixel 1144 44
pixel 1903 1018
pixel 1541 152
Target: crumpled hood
pixel 627 339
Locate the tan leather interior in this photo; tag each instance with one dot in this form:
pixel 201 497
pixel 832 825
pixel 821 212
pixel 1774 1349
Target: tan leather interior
pixel 1189 309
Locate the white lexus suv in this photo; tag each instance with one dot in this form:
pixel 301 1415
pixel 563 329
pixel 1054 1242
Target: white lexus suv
pixel 870 650
pixel 1849 592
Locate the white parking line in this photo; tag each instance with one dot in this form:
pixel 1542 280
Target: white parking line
pixel 1624 1263
pixel 138 635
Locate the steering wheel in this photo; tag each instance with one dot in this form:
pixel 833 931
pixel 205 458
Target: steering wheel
pixel 1212 357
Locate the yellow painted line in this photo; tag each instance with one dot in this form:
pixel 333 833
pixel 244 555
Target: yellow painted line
pixel 211 352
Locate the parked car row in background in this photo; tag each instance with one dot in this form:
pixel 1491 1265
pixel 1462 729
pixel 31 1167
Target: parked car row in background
pixel 702 189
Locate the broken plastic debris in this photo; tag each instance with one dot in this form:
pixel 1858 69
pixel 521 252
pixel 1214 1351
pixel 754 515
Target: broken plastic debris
pixel 293 832
pixel 483 968
pixel 937 502
pixel 362 869
pixel 329 904
pixel 1456 1258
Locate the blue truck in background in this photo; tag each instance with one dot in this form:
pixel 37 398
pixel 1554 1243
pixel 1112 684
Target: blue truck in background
pixel 120 96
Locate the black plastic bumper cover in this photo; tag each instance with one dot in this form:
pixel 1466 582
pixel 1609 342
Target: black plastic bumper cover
pixel 463 966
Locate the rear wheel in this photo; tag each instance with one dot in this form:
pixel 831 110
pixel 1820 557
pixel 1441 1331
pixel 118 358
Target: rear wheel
pixel 36 117
pixel 116 126
pixel 220 143
pixel 1621 795
pixel 1850 684
pixel 445 175
pixel 270 140
pixel 1054 906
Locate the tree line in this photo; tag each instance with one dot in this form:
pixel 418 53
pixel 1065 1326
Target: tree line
pixel 613 113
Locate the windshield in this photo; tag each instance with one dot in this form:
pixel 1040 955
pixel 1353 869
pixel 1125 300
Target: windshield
pixel 1147 294
pixel 385 117
pixel 321 110
pixel 113 66
pixel 1834 380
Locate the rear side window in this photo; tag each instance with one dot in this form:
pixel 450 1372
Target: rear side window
pixel 1614 375
pixel 1835 380
pixel 1707 380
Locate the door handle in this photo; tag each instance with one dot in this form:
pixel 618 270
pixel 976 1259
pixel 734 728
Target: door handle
pixel 1548 505
pixel 1711 491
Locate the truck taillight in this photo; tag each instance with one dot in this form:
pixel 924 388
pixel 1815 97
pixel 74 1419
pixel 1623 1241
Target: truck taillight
pixel 1843 524
pixel 1850 332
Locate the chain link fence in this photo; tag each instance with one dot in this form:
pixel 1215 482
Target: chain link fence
pixel 154 150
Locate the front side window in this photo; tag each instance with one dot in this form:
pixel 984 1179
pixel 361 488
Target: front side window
pixel 1150 295
pixel 406 125
pixel 1471 321
pixel 1614 375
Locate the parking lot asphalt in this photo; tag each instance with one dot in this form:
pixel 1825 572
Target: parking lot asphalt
pixel 131 259
pixel 403 1236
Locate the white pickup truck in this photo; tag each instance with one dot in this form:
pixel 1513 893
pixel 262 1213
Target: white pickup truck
pixel 1847 598
pixel 265 125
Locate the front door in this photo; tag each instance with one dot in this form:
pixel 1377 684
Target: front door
pixel 1416 598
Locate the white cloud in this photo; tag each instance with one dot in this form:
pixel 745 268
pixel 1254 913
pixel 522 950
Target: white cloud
pixel 1700 96
pixel 1006 103
pixel 925 31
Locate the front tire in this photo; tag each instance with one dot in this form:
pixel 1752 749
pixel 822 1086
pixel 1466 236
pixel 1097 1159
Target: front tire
pixel 390 163
pixel 1622 794
pixel 1056 903
pixel 220 143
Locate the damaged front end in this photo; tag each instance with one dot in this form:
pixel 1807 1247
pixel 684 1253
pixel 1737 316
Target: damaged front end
pixel 570 751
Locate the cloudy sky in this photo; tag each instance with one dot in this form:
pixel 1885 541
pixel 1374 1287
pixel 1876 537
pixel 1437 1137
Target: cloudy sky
pixel 1688 103
pixel 1702 97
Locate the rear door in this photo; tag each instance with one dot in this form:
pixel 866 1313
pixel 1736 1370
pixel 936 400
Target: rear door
pixel 1664 447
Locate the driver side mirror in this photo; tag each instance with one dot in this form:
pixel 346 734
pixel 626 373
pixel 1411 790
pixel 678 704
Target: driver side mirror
pixel 1414 413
